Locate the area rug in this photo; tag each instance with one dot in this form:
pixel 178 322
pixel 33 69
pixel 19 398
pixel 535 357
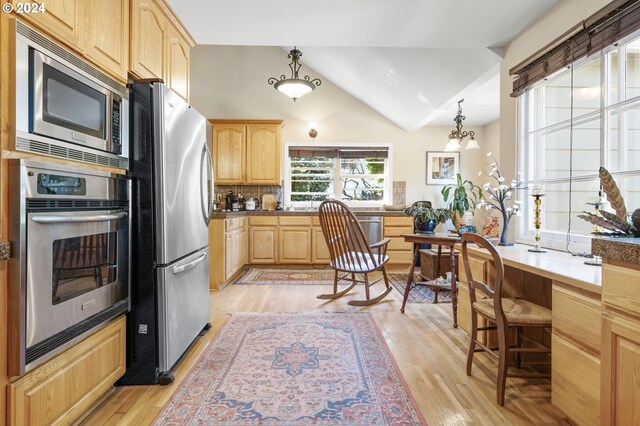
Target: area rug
pixel 266 276
pixel 294 369
pixel 420 293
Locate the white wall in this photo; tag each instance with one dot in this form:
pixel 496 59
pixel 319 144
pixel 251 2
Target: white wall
pixel 231 82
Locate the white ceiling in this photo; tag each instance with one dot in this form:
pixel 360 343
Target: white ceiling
pixel 410 60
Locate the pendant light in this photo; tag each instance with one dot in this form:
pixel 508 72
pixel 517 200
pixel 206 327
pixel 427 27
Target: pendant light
pixel 457 135
pixel 294 87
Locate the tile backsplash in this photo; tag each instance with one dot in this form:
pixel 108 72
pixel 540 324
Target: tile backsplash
pixel 255 191
pixel 399 192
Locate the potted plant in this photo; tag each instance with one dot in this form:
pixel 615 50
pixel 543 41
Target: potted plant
pixel 425 217
pixel 461 197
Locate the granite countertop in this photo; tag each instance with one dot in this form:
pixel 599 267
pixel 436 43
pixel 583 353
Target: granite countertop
pixel 619 249
pixel 5 250
pixel 223 214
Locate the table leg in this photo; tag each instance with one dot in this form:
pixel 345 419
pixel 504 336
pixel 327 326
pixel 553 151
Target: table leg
pixel 416 254
pixel 454 289
pixel 436 290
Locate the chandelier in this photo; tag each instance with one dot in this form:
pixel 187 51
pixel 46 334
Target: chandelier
pixel 294 87
pixel 457 135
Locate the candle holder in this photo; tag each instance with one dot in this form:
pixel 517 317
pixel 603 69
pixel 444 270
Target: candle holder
pixel 537 195
pixel 596 202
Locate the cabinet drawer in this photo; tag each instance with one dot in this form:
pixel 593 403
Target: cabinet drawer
pixel 263 220
pixel 621 287
pixel 575 382
pixel 396 231
pixel 294 220
pixel 398 244
pixel 403 257
pixel 234 223
pixel 577 316
pixel 399 221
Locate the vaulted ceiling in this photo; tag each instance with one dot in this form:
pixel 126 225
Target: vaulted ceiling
pixel 410 60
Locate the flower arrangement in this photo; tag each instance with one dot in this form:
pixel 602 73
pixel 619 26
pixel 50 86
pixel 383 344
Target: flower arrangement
pixel 499 196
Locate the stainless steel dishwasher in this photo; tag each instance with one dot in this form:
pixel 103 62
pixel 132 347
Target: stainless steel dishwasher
pixel 372 227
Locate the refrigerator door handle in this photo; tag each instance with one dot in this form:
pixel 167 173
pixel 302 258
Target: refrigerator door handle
pixel 211 183
pixel 178 269
pixel 203 201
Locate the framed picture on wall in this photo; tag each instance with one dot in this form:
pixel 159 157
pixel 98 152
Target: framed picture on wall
pixel 442 167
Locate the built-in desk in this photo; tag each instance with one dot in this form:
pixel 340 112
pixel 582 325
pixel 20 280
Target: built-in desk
pixel 572 290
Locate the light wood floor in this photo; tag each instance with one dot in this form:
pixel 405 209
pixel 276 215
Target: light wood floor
pixel 429 351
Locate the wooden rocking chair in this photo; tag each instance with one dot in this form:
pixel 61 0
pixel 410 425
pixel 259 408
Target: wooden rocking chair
pixel 351 253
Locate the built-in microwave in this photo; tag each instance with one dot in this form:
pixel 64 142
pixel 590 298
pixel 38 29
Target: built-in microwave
pixel 66 107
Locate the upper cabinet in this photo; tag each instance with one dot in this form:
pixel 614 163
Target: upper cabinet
pixel 247 152
pixel 63 19
pixel 148 34
pixel 107 41
pixel 177 63
pixel 97 29
pixel 158 48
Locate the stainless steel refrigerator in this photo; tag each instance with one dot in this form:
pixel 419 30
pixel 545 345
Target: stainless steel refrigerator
pixel 172 199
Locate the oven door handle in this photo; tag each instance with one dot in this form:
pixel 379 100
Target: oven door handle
pixel 182 268
pixel 76 219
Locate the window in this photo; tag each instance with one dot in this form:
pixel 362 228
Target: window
pixel 600 111
pixel 357 176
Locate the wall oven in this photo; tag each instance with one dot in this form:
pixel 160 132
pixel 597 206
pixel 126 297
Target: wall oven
pixel 70 230
pixel 67 107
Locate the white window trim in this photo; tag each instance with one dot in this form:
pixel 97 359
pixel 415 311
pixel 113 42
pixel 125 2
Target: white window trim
pixel 553 239
pixel 388 184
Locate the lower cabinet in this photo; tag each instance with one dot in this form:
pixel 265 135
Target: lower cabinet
pixel 228 249
pixel 398 251
pixel 294 244
pixel 64 388
pixel 620 391
pixel 263 240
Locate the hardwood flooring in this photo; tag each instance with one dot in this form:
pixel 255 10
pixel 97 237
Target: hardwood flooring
pixel 430 353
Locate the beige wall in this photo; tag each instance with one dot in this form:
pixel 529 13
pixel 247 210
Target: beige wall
pixel 231 82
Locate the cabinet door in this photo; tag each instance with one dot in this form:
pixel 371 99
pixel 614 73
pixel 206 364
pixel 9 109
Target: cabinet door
pixel 263 154
pixel 620 370
pixel 229 255
pixel 228 151
pixel 294 244
pixel 148 28
pixel 177 63
pixel 263 244
pixel 63 19
pixel 108 35
pixel 243 248
pixel 319 249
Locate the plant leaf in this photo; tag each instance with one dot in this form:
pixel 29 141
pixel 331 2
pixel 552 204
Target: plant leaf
pixel 613 193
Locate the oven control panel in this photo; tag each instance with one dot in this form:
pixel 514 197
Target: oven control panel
pixel 50 184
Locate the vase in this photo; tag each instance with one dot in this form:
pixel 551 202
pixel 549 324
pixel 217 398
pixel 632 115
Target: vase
pixel 426 227
pixel 505 230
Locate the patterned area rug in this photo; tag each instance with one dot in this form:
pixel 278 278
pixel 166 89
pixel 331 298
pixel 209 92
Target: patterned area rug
pixel 264 276
pixel 294 369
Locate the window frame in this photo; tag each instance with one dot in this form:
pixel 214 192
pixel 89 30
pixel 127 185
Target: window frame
pixel 388 184
pixel 554 239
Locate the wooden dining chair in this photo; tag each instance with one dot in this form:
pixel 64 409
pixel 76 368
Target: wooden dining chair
pixel 350 252
pixel 503 313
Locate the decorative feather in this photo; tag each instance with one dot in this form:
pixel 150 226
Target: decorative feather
pixel 613 194
pixel 635 220
pixel 622 224
pixel 602 222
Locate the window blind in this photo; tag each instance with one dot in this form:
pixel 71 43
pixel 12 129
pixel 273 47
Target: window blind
pixel 330 152
pixel 615 21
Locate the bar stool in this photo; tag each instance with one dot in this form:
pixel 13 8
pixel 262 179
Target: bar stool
pixel 503 313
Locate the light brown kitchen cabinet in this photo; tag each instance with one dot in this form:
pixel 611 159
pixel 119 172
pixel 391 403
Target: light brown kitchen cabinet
pixel 294 239
pixel 228 249
pixel 263 154
pixel 148 33
pixel 620 397
pixel 177 63
pixel 158 49
pixel 107 41
pixel 247 152
pixel 228 153
pixel 63 389
pixel 63 19
pixel 263 244
pixel 398 251
pixel 96 29
pixel 319 249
